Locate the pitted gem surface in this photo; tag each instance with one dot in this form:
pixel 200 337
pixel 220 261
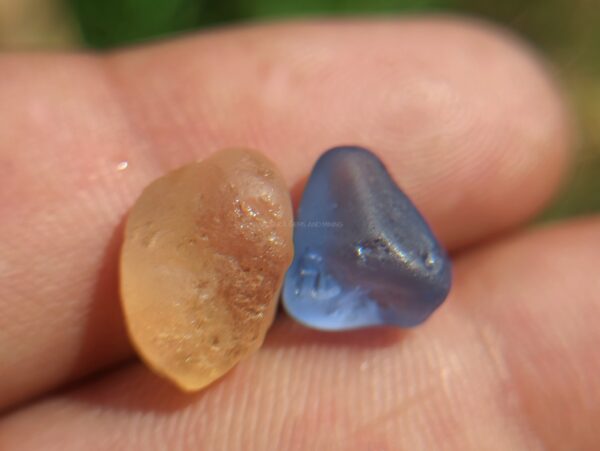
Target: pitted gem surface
pixel 364 254
pixel 206 248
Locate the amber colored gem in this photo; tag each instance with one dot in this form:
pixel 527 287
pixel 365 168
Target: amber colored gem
pixel 205 252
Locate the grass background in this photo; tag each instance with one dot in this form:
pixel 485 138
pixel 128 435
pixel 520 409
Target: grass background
pixel 566 31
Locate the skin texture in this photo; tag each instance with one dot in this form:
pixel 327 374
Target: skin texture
pixel 464 117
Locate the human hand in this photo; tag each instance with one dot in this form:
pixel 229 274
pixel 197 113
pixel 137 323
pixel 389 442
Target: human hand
pixel 468 124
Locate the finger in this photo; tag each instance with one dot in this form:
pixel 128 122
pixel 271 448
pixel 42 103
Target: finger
pixel 510 362
pixel 463 141
pixel 436 99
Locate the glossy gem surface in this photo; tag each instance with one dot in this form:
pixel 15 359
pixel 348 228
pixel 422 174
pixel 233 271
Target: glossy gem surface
pixel 364 255
pixel 205 252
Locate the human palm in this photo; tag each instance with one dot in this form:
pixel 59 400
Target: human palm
pixel 469 125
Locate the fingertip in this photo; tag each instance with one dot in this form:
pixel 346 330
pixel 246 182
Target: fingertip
pixel 501 135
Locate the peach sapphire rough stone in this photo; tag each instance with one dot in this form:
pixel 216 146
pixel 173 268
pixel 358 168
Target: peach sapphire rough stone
pixel 205 251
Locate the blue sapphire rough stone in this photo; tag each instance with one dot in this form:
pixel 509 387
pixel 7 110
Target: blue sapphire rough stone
pixel 364 255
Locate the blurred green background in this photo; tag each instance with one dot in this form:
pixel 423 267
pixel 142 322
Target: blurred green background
pixel 567 32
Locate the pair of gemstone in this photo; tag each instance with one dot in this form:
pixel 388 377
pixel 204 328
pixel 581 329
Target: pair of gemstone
pixel 208 246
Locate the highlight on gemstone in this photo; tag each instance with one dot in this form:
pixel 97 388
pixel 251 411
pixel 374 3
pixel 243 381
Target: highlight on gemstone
pixel 205 251
pixel 364 255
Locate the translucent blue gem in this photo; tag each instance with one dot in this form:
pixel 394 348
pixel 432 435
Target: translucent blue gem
pixel 364 256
